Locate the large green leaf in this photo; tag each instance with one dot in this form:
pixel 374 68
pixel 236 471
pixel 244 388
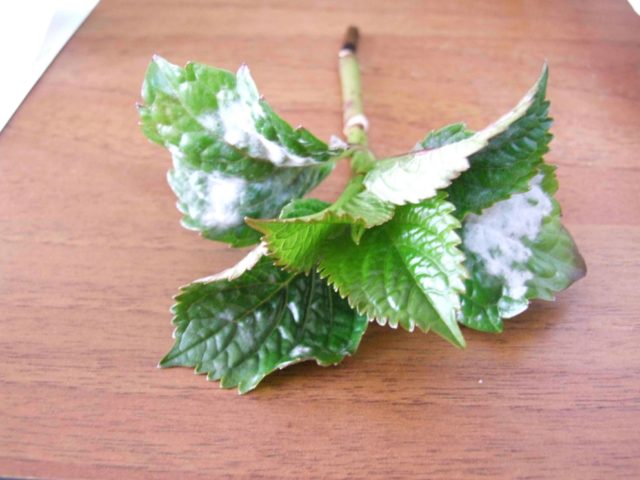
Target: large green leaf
pixel 515 245
pixel 238 330
pixel 405 272
pixel 297 239
pixel 517 250
pixel 233 157
pixel 505 143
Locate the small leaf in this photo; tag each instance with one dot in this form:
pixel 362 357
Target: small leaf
pixel 240 330
pixel 301 207
pixel 232 155
pixel 444 136
pixel 417 175
pixel 405 272
pixel 297 239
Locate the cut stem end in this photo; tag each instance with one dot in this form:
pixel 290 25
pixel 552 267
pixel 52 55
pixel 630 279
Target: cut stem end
pixel 351 39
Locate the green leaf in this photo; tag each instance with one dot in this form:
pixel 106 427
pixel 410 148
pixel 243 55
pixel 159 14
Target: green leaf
pixel 232 155
pixel 517 250
pixel 515 245
pixel 241 329
pixel 415 176
pixel 405 272
pixel 297 239
pixel 507 164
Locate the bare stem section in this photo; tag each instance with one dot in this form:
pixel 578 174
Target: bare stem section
pixel 355 121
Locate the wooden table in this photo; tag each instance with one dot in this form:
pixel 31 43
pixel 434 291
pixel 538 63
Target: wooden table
pixel 92 252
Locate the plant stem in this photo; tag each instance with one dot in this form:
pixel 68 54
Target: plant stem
pixel 355 122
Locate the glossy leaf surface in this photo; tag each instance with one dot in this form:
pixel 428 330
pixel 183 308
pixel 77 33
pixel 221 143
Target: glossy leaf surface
pixel 406 272
pixel 240 330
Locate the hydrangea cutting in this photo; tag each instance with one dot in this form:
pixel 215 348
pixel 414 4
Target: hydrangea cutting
pixel 462 230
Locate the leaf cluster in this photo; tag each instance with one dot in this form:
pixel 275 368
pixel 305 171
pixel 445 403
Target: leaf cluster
pixel 462 230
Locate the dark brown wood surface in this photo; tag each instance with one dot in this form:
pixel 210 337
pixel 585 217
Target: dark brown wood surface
pixel 91 253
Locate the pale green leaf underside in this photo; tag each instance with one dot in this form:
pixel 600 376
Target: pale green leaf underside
pixel 418 175
pixel 406 272
pixel 233 157
pixel 241 330
pixel 306 228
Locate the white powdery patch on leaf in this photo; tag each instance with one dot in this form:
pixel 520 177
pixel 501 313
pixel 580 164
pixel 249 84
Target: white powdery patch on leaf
pixel 211 198
pixel 497 235
pixel 222 195
pixel 235 120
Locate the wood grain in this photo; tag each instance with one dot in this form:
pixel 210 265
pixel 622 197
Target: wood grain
pixel 91 253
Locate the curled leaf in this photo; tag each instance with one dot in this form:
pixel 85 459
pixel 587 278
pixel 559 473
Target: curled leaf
pixel 417 175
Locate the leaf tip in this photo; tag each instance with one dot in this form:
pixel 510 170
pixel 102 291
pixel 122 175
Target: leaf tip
pixel 158 60
pixel 580 270
pixel 541 84
pixel 545 67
